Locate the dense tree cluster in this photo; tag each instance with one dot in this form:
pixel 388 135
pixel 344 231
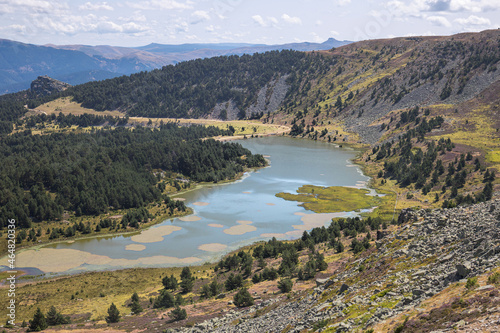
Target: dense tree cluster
pixel 88 173
pixel 191 88
pixel 40 322
pixel 136 216
pixel 83 120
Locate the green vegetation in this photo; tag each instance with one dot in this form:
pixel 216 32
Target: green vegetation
pixel 135 306
pixel 494 278
pixel 38 323
pixel 186 280
pixel 471 283
pixel 243 298
pixel 178 314
pixel 56 318
pixel 285 285
pixel 190 88
pixel 108 168
pixel 332 199
pixel 113 314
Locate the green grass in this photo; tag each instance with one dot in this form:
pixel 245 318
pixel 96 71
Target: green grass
pixel 332 199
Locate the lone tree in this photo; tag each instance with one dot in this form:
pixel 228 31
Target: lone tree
pixel 186 280
pixel 135 306
pixel 113 314
pixel 38 323
pixel 243 298
pixel 178 314
pixel 56 318
pixel 285 285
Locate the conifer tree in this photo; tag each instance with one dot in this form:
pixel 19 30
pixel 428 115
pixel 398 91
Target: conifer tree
pixel 187 280
pixel 135 306
pixel 113 314
pixel 38 323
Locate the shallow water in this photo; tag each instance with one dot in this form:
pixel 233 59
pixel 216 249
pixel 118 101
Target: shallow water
pixel 231 215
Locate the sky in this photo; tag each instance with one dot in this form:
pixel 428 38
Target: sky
pixel 137 23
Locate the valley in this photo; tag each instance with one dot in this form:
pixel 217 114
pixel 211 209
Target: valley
pixel 348 190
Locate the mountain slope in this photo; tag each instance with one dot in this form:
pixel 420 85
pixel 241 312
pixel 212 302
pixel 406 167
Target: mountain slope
pixel 21 63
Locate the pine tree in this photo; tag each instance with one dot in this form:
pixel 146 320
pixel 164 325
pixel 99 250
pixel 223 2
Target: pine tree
pixel 170 282
pixel 243 298
pixel 179 300
pixel 187 280
pixel 52 316
pixel 285 285
pixel 135 306
pixel 38 323
pixel 178 314
pixel 113 314
pixel 165 300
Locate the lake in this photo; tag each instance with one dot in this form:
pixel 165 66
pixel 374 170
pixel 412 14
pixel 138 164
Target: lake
pixel 225 217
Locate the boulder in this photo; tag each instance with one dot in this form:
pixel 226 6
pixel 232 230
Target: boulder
pixel 463 269
pixel 343 288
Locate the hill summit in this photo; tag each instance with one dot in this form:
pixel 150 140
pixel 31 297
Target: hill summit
pixel 45 85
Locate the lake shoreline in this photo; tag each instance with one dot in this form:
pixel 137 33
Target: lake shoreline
pixel 179 195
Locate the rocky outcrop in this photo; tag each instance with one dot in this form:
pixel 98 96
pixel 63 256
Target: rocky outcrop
pixel 44 86
pixel 431 251
pixel 270 97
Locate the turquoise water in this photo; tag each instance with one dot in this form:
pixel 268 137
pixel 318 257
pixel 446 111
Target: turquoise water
pixel 293 163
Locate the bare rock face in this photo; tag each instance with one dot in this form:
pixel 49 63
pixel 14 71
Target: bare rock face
pixel 44 86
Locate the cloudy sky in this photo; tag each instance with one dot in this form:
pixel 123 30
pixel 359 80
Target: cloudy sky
pixel 140 22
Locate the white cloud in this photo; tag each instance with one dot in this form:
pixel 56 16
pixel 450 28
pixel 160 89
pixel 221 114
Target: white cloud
pixel 273 20
pixel 259 20
pixel 474 20
pixel 71 25
pixel 159 5
pixel 136 17
pixel 200 16
pixel 474 5
pixel 291 20
pixel 181 27
pixel 334 33
pixel 95 6
pixel 440 21
pixel 31 6
pixel 417 7
pixel 269 21
pixel 316 38
pixel 343 2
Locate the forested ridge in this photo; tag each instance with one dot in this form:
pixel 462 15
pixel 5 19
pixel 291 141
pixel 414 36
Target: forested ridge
pixel 89 173
pixel 191 88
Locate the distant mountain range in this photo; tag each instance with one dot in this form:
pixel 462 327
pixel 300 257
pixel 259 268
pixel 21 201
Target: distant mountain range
pixel 21 63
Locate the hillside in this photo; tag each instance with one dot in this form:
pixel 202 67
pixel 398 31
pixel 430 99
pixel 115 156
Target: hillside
pixel 21 63
pixel 357 85
pixel 367 93
pixel 423 112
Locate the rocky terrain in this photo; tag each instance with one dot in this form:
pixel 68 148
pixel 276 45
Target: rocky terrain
pixel 433 250
pixel 44 86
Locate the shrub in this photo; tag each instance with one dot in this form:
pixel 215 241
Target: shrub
pixel 285 285
pixel 243 298
pixel 178 314
pixel 471 283
pixel 494 278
